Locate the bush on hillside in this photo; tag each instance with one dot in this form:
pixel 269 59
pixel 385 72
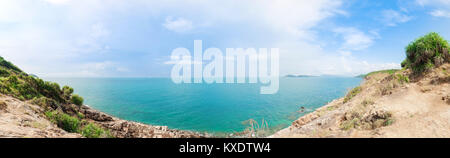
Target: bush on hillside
pixel 46 103
pixel 8 65
pixel 93 131
pixel 67 91
pixel 77 100
pixel 17 83
pixel 64 121
pixel 51 97
pixel 426 52
pixel 4 72
pixel 74 125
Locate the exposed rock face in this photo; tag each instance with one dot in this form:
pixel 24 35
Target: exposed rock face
pixel 94 114
pixel 304 120
pixel 127 129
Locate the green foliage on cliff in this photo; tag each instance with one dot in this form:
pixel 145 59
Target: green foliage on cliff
pixel 426 52
pixel 93 131
pixel 77 125
pixel 67 92
pixel 16 83
pixel 352 93
pixel 77 100
pixel 8 65
pixel 64 121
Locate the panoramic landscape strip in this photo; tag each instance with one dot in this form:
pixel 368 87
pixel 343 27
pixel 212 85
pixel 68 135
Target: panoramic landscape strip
pixel 388 103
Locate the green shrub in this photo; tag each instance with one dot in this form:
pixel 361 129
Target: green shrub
pixel 93 131
pixel 80 115
pixel 67 91
pixel 45 102
pixel 64 121
pixel 4 72
pixel 27 91
pixel 51 90
pixel 426 52
pixel 47 89
pixel 349 124
pixel 77 100
pixel 402 78
pixel 13 80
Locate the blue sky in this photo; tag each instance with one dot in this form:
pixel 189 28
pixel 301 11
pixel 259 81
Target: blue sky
pixel 115 38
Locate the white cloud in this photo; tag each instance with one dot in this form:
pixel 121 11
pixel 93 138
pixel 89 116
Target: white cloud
pixel 286 17
pixel 178 24
pixel 392 17
pixel 58 2
pixel 440 8
pixel 354 39
pixel 303 58
pixel 57 37
pixel 440 13
pixel 89 69
pixel 434 2
pixel 294 17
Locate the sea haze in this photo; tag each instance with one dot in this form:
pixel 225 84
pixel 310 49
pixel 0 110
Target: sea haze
pixel 213 108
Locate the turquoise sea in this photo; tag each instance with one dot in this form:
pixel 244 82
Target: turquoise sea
pixel 213 108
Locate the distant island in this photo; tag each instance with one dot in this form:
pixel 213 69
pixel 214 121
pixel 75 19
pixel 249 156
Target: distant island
pixel 389 71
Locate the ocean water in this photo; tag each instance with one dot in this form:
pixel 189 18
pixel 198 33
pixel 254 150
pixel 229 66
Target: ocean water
pixel 213 108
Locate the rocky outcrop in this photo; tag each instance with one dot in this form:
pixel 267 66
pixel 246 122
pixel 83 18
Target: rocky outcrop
pixel 128 129
pixel 23 120
pixel 95 115
pixel 304 120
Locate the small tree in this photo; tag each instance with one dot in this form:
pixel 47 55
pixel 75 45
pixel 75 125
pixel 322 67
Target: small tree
pixel 426 52
pixel 77 100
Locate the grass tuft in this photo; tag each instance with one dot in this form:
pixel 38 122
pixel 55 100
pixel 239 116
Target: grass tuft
pixel 352 93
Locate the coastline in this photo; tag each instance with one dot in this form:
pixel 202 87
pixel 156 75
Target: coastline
pixel 306 119
pixel 385 105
